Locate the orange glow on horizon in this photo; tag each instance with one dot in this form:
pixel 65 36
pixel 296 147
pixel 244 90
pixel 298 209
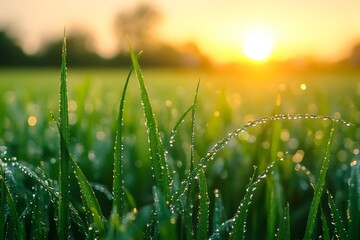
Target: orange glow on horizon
pixel 324 30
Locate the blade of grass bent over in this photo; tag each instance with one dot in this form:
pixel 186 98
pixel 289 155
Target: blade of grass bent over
pixel 222 143
pixel 319 188
pixel 118 178
pixel 64 221
pixel 157 152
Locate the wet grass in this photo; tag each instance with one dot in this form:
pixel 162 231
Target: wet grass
pixel 171 177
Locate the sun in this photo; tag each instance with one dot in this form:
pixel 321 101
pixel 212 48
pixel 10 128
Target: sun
pixel 258 45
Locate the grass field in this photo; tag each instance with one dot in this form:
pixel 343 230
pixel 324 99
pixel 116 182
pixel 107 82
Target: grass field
pixel 224 103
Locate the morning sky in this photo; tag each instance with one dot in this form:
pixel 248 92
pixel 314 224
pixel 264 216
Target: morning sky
pixel 324 29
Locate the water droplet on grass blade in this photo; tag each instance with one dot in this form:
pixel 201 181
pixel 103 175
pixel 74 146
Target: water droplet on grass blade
pixel 3 151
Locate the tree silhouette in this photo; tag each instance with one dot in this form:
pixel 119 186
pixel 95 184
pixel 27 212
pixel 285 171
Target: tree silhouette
pixel 138 24
pixel 81 55
pixel 355 55
pixel 11 53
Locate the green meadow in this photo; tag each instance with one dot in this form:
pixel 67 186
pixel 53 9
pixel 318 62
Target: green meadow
pixel 246 155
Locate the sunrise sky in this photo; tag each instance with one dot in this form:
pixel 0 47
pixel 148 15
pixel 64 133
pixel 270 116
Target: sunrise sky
pixel 323 29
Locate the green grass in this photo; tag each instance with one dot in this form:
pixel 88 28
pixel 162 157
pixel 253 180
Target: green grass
pixel 163 159
pixel 64 162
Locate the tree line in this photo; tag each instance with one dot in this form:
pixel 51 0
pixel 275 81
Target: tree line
pixel 137 23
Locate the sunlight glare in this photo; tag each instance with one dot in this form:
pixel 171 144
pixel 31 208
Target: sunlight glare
pixel 258 45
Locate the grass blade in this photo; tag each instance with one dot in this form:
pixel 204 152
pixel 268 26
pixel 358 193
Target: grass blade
pixel 354 200
pixel 325 227
pixel 192 140
pixel 135 223
pixel 64 221
pixel 189 226
pixel 39 230
pixel 47 185
pixel 188 210
pixel 239 221
pixel 319 188
pixel 284 228
pixel 223 228
pixel 15 220
pixel 203 214
pixel 82 92
pixel 2 205
pixel 182 117
pixel 88 194
pixel 130 199
pixel 65 159
pixel 177 125
pixel 274 197
pixel 89 197
pixel 165 223
pixel 118 178
pixel 114 226
pixel 219 211
pixel 239 227
pixel 338 222
pixel 157 152
pixel 271 208
pixel 175 203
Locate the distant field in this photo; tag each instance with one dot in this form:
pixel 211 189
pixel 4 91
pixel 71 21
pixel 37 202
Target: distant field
pixel 226 101
pixel 325 93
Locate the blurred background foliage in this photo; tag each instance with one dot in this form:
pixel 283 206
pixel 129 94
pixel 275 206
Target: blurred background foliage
pixel 137 24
